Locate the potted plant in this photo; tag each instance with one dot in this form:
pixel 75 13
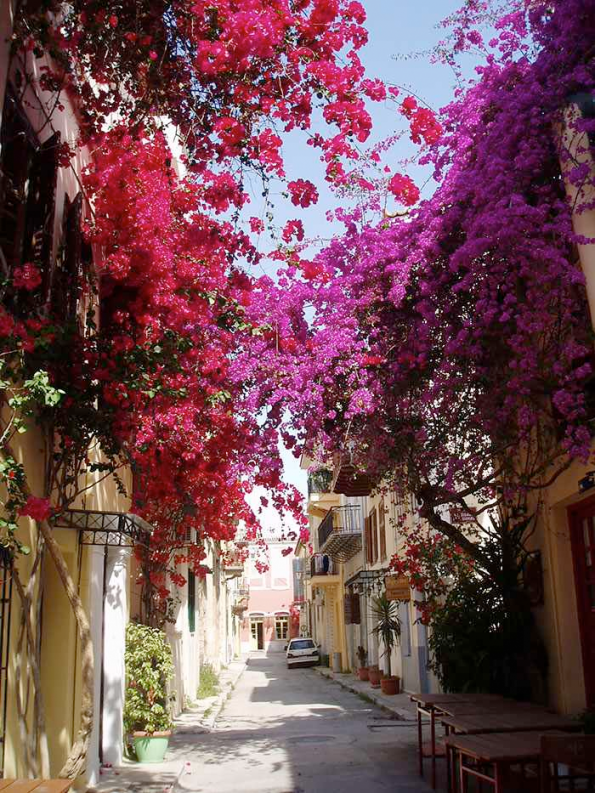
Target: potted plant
pixel 374 675
pixel 387 628
pixel 147 714
pixel 362 655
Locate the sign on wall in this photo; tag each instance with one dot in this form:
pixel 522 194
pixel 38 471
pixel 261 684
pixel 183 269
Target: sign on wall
pixel 397 587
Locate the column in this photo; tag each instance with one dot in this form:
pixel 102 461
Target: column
pixel 115 620
pixel 96 621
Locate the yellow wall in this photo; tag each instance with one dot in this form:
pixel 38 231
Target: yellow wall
pixel 558 617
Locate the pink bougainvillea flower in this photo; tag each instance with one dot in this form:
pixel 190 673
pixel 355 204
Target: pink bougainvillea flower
pixel 403 188
pixel 293 228
pixel 36 508
pixel 303 193
pixel 26 277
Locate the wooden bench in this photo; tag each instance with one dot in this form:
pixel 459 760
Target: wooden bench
pixel 35 785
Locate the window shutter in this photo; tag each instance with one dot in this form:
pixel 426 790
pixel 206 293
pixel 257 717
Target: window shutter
pixel 382 530
pixel 347 604
pixel 68 272
pixel 19 144
pixel 356 616
pixel 368 540
pixel 374 526
pixel 41 204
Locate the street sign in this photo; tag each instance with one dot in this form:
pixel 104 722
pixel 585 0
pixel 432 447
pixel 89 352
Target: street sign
pixel 397 587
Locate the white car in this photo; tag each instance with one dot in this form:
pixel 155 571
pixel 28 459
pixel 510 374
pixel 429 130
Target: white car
pixel 302 651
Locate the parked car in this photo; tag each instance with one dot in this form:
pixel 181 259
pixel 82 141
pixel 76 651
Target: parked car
pixel 302 651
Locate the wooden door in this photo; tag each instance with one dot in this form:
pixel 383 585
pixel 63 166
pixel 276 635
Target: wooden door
pixel 582 535
pixel 254 634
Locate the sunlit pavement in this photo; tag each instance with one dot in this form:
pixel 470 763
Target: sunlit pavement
pixel 289 731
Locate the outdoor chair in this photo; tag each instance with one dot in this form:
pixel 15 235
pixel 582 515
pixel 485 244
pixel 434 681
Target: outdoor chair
pixel 567 763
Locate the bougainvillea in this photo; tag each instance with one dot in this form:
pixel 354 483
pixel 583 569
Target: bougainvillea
pixel 178 102
pixel 445 342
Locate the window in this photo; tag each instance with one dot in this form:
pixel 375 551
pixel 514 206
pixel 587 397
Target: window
pixel 73 265
pixel 28 179
pixel 191 602
pixel 301 644
pixel 281 627
pixel 382 530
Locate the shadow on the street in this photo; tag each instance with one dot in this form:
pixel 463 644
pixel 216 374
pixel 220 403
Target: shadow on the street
pixel 327 741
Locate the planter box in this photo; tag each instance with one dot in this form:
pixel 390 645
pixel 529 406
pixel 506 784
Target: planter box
pixel 390 685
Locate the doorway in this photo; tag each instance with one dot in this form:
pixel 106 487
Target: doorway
pixel 582 537
pixel 256 633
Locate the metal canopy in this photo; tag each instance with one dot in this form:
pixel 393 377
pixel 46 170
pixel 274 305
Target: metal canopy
pixel 119 529
pixel 366 577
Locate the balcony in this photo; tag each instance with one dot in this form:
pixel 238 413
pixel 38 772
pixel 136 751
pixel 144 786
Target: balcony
pixel 233 564
pixel 322 564
pixel 320 481
pixel 349 480
pixel 340 533
pixel 323 570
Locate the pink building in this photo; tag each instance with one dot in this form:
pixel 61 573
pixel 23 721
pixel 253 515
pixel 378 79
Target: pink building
pixel 268 622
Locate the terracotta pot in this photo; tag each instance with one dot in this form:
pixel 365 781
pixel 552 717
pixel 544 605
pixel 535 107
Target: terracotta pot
pixel 362 673
pixel 374 676
pixel 390 685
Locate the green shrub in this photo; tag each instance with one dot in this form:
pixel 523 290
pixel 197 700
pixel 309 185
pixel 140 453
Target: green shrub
pixel 209 682
pixel 149 668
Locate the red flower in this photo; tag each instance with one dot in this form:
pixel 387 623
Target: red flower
pixel 36 508
pixel 293 228
pixel 303 193
pixel 26 277
pixel 404 189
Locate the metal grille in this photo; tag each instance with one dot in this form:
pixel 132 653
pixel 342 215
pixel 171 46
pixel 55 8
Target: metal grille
pixel 105 528
pixel 5 608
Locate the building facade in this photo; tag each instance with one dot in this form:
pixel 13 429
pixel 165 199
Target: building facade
pixel 269 620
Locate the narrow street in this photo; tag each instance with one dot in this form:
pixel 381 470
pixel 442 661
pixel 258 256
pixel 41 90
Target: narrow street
pixel 286 731
pixel 292 730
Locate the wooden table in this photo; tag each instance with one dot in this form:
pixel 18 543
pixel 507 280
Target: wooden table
pixel 35 785
pixel 514 720
pixel 499 751
pixel 430 705
pixel 522 717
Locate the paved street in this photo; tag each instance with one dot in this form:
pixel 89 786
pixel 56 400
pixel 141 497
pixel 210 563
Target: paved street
pixel 290 731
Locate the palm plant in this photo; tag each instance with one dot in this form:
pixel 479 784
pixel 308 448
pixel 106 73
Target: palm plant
pixel 388 625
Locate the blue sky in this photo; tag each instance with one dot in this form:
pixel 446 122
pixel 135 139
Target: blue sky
pixel 397 29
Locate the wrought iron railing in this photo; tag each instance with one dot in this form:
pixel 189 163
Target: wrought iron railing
pixel 340 520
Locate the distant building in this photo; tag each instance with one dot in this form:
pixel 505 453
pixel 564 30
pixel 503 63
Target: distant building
pixel 268 622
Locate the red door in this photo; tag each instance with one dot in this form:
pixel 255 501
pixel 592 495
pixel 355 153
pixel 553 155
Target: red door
pixel 582 536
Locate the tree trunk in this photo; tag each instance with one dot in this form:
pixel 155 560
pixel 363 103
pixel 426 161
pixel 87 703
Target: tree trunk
pixel 76 761
pixel 39 737
pixel 75 764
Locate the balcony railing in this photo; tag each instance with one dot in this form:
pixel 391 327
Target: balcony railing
pixel 340 533
pixel 322 564
pixel 320 481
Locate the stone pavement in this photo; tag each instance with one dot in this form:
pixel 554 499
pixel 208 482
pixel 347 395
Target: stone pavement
pixel 399 705
pixel 197 719
pixel 284 731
